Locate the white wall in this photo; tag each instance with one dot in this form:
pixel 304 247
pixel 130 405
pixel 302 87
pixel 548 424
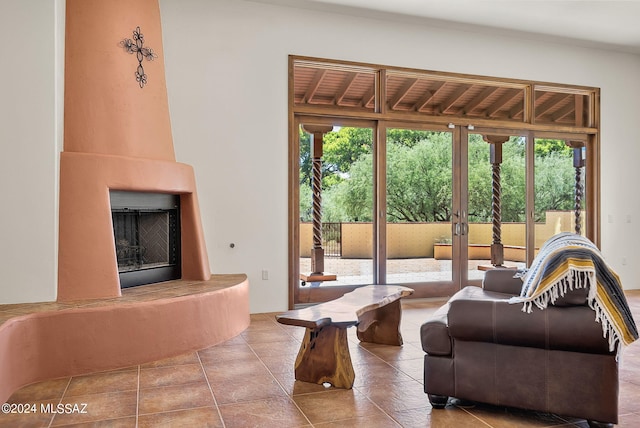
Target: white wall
pixel 29 137
pixel 226 64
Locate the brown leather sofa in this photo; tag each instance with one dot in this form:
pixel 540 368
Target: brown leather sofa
pixel 482 348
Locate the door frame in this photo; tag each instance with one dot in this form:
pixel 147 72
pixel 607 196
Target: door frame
pixel 298 295
pixel 460 241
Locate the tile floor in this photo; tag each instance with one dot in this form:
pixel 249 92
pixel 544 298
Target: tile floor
pixel 248 382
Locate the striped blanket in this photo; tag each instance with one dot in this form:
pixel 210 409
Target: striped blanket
pixel 568 261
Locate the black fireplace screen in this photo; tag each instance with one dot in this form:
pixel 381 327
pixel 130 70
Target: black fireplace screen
pixel 146 231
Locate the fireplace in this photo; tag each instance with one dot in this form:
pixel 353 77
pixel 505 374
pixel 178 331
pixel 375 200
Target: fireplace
pixel 146 230
pixel 121 145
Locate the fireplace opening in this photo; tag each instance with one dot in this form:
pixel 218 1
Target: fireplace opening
pixel 146 230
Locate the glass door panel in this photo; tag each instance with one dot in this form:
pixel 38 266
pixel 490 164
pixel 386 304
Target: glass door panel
pixel 559 188
pixel 496 232
pixel 336 218
pixel 419 183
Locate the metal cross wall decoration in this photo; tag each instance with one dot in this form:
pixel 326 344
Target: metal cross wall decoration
pixel 135 46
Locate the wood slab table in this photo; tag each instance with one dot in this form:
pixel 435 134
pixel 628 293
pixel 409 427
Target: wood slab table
pixel 324 352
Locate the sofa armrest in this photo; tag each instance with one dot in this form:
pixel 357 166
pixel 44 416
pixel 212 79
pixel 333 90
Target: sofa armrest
pixel 502 281
pixel 434 333
pixel 484 316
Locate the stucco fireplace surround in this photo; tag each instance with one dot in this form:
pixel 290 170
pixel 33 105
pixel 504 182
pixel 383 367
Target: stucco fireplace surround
pixel 118 138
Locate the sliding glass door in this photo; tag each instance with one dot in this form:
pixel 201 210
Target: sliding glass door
pixel 419 209
pixel 560 186
pixel 496 202
pixel 336 208
pixel 430 207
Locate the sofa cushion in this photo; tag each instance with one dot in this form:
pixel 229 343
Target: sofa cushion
pixel 576 297
pixel 502 280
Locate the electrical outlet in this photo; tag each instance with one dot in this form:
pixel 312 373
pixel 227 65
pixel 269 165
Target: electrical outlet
pixel 265 274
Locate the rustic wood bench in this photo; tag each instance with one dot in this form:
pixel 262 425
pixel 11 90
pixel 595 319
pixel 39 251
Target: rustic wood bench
pixel 324 352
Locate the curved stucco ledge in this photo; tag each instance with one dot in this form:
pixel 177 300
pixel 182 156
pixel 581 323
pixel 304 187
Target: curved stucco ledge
pixel 120 333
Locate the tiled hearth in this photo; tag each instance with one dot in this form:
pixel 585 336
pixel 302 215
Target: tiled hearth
pixel 248 381
pixel 150 322
pixel 145 293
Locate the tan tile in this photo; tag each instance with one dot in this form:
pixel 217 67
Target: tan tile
pixel 629 370
pixel 296 387
pixel 268 349
pixel 29 308
pixel 360 355
pixel 413 368
pixel 204 417
pixel 284 363
pixel 175 397
pixel 388 353
pixel 447 417
pixel 5 316
pixel 506 417
pixel 630 420
pixel 263 371
pixel 396 396
pixel 262 319
pixel 265 335
pixel 295 332
pixel 113 405
pixel 46 390
pixel 102 382
pixel 411 332
pixel 189 358
pixel 274 412
pixel 257 387
pixel 129 422
pixel 31 417
pixel 220 354
pixel 380 374
pixel 381 421
pixel 171 375
pixel 335 404
pixel 236 340
pixel 629 398
pixel 234 370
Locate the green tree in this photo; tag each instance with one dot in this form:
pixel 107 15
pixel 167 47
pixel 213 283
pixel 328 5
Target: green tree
pixel 479 174
pixel 544 147
pixel 554 184
pixel 419 180
pixel 419 177
pixel 354 194
pixel 340 149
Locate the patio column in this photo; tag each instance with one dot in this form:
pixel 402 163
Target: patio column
pixel 495 155
pixel 317 252
pixel 578 164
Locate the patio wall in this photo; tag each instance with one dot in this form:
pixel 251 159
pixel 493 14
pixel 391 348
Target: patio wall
pixel 415 240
